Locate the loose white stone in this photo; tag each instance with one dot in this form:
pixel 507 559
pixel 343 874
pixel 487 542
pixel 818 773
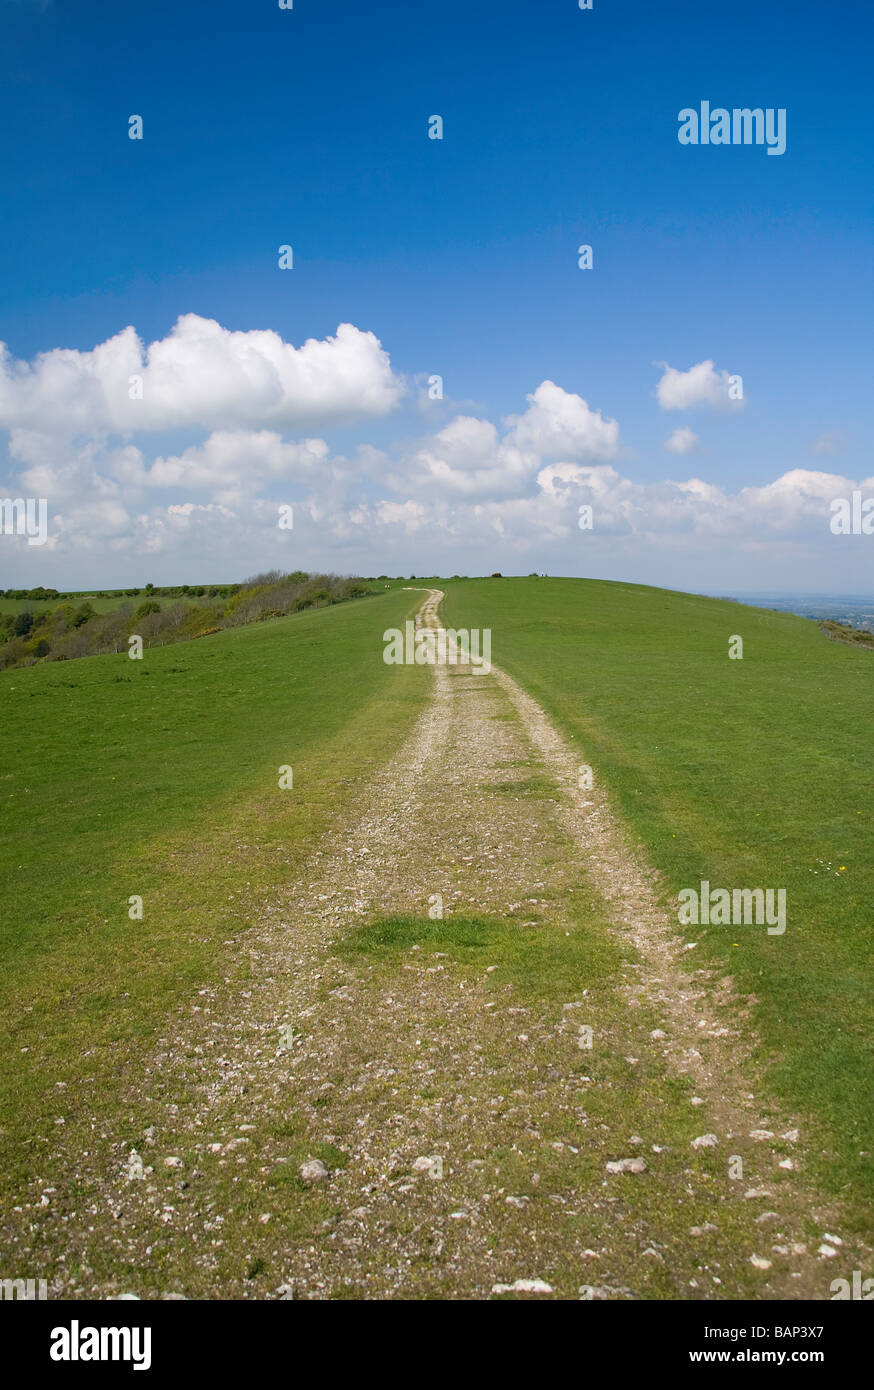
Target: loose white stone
pixel 627 1165
pixel 313 1170
pixel 523 1286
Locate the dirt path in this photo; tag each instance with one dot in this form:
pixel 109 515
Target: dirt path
pixel 443 1073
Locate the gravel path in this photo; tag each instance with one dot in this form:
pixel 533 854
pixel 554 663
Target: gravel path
pixel 469 1133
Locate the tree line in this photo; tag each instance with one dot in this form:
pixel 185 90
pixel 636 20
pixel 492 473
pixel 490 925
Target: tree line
pixel 70 629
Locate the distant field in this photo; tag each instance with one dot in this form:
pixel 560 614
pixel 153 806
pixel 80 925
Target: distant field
pixel 752 773
pixel 160 778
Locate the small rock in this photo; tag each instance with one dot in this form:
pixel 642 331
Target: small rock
pixel 627 1165
pixel 313 1170
pixel 432 1166
pixel 760 1262
pixel 827 1252
pixel 523 1286
pixel 705 1141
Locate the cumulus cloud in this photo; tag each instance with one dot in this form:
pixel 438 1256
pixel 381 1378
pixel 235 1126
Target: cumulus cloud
pixel 473 458
pixel 232 462
pixel 474 493
pixel 690 514
pixel 682 441
pixel 559 423
pixel 701 385
pixel 201 375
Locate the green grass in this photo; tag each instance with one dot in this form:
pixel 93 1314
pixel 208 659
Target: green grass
pixel 103 605
pixel 546 966
pixel 159 778
pixel 752 773
pixel 621 1094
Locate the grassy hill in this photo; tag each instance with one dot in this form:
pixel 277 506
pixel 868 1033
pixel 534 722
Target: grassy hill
pixel 747 773
pixel 159 778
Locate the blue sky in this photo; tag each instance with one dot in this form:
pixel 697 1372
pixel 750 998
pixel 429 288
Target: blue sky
pixel 309 127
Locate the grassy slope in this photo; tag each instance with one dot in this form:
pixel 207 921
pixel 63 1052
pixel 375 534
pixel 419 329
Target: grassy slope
pixel 753 773
pixel 160 778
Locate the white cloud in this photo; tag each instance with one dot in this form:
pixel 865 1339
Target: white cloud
pixel 200 375
pixel 701 385
pixel 474 495
pixel 559 424
pixel 471 457
pixel 682 441
pixel 230 464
